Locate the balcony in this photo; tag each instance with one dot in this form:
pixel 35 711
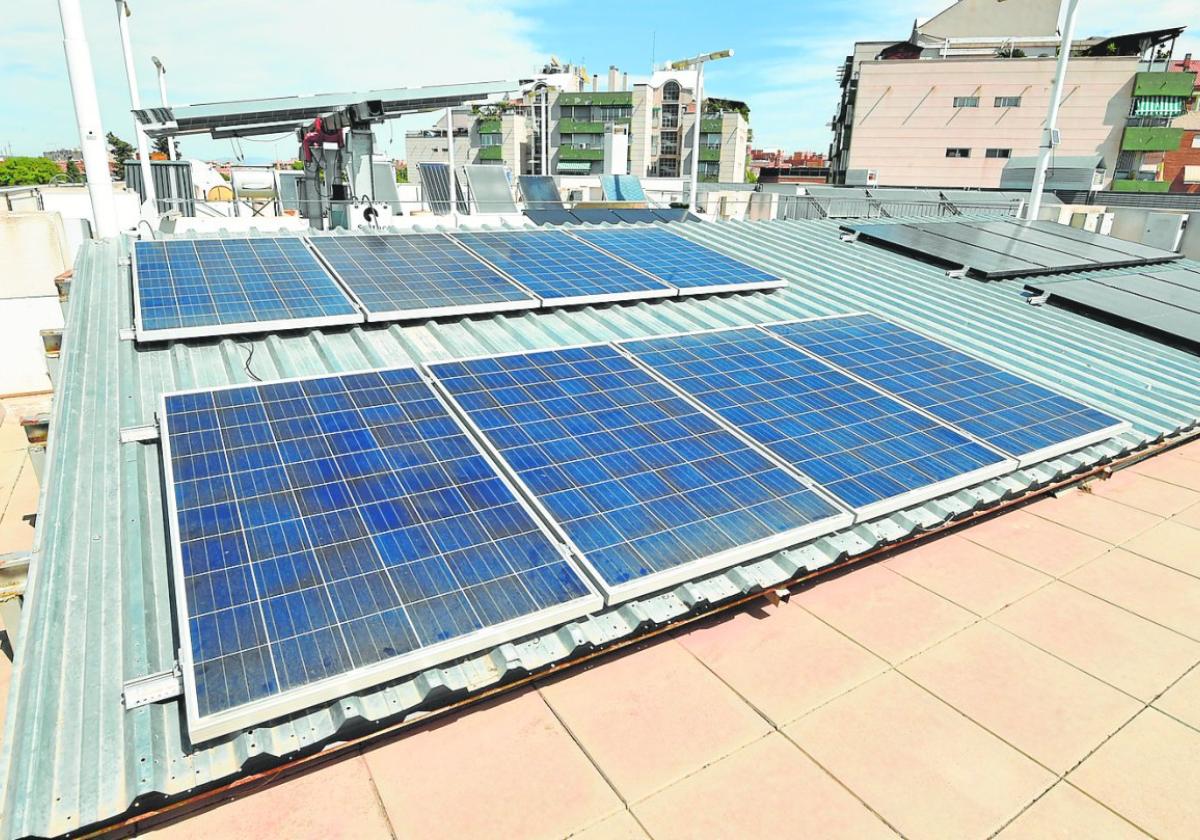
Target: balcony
pixel 1151 139
pixel 490 126
pixel 709 153
pixel 490 153
pixel 569 126
pixel 1164 84
pixel 710 124
pixel 1127 185
pixel 609 97
pixel 580 154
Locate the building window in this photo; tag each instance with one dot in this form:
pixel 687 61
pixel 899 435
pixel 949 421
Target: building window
pixel 671 92
pixel 670 118
pixel 489 139
pixel 709 170
pixel 710 140
pixel 958 153
pixel 966 102
pixel 998 153
pixel 1008 102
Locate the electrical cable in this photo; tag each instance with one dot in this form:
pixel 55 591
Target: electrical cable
pixel 249 356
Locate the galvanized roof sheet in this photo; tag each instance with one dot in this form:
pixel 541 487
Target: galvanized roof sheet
pixel 98 605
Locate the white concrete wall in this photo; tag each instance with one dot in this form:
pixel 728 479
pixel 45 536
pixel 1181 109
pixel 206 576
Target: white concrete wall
pixel 904 119
pixel 994 18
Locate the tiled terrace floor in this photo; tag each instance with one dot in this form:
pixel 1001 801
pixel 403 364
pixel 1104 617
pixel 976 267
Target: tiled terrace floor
pixel 1033 676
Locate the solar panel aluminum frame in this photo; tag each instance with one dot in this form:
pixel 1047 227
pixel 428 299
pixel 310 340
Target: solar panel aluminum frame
pixel 1022 461
pixel 578 300
pixel 248 715
pixel 863 513
pixel 690 291
pixel 433 311
pixel 660 581
pixel 225 330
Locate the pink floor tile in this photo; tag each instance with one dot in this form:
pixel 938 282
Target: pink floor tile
pixel 1092 515
pixel 968 574
pixel 1152 590
pixel 1189 517
pixel 506 769
pixel 884 612
pixel 1188 450
pixel 335 801
pixel 1110 643
pixel 1182 700
pixel 1170 543
pixel 1172 468
pixel 1145 493
pixel 650 717
pixel 620 826
pixel 921 765
pixel 1149 774
pixel 768 789
pixel 1040 543
pixel 783 660
pixel 1049 710
pixel 1066 814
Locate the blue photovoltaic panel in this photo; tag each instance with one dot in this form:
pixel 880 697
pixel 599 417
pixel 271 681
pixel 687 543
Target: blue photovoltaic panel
pixel 651 490
pixel 866 448
pixel 330 525
pixel 191 287
pixel 689 267
pixel 560 269
pixel 540 192
pixel 417 275
pixel 622 188
pixel 1017 416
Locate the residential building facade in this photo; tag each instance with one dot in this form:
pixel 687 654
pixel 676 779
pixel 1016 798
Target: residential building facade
pixel 963 102
pixel 645 129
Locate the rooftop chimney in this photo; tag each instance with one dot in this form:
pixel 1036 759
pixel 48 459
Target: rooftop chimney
pixel 624 81
pixel 595 82
pixel 612 77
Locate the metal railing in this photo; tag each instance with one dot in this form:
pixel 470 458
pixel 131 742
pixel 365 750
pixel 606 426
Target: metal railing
pixel 21 198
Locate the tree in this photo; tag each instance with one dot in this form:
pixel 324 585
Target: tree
pixel 162 145
pixel 1010 52
pixel 401 174
pixel 73 173
pixel 25 171
pixel 121 152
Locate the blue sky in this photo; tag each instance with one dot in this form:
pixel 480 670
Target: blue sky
pixel 786 54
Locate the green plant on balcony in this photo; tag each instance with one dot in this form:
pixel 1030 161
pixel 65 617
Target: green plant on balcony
pixel 571 126
pixel 1130 185
pixel 709 153
pixel 489 126
pixel 491 153
pixel 568 153
pixel 1151 139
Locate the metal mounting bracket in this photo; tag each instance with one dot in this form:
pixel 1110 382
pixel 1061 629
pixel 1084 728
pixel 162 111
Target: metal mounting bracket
pixel 152 688
pixel 139 434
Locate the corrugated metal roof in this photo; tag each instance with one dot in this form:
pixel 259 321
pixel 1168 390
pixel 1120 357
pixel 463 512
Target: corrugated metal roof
pixel 98 608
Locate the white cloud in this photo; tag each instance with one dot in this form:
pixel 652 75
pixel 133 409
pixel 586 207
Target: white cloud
pixel 226 49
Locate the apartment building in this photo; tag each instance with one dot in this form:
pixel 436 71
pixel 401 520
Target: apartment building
pixel 564 116
pixel 962 102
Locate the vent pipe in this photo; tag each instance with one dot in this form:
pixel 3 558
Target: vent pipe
pixel 624 81
pixel 595 82
pixel 612 77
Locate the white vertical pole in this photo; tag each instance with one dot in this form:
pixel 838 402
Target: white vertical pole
pixel 135 101
pixel 693 198
pixel 545 131
pixel 87 115
pixel 162 96
pixel 1047 149
pixel 450 158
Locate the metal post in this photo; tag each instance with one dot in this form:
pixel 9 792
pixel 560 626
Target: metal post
pixel 450 158
pixel 143 147
pixel 695 193
pixel 87 115
pixel 545 131
pixel 162 95
pixel 1048 136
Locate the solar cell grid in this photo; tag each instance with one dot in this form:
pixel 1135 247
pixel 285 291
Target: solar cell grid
pixel 417 276
pixel 195 287
pixel 1015 415
pixel 869 450
pixel 331 533
pixel 649 489
pixel 562 270
pixel 691 268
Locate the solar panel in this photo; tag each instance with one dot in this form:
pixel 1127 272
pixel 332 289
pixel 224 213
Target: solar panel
pixel 636 215
pixel 691 268
pixel 1166 301
pixel 874 453
pixel 396 277
pixel 596 215
pixel 649 490
pixel 490 188
pixel 540 192
pixel 1007 248
pixel 435 182
pixel 675 214
pixel 551 217
pixel 1015 415
pixel 562 270
pixel 202 287
pixel 336 532
pixel 622 188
